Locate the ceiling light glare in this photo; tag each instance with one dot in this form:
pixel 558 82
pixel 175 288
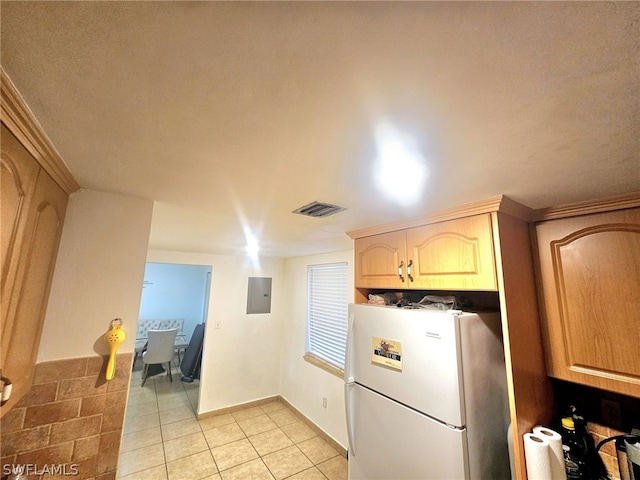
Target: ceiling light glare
pixel 252 247
pixel 400 170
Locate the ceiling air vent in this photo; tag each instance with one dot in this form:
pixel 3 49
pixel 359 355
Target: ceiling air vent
pixel 317 209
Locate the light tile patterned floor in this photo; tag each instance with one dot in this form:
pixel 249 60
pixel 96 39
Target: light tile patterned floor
pixel 163 440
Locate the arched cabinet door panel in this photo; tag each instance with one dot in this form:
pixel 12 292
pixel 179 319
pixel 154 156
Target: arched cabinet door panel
pixel 18 174
pixel 590 278
pixel 453 255
pixel 380 261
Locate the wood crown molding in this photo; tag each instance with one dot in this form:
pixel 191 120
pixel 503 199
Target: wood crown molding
pixel 618 202
pixel 19 119
pixel 499 203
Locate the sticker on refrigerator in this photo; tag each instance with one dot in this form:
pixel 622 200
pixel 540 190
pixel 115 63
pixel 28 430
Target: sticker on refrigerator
pixel 386 352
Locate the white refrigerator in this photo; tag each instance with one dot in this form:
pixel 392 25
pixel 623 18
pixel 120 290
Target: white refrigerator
pixel 425 395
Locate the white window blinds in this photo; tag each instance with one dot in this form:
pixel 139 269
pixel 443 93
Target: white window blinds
pixel 327 312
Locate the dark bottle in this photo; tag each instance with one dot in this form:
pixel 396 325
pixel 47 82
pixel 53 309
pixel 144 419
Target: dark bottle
pixel 575 449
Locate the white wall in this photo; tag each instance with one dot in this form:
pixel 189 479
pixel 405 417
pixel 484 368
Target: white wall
pixel 304 384
pixel 241 360
pixel 98 274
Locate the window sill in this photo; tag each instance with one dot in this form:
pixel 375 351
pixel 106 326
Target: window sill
pixel 327 367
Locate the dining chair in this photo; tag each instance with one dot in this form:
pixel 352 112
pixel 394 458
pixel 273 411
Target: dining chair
pixel 160 350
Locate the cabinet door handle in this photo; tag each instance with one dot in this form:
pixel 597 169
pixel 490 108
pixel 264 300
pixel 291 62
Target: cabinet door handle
pixel 400 271
pixel 6 390
pixel 409 270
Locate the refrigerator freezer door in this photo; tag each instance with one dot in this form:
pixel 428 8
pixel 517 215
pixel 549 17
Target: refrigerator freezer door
pixel 393 442
pixel 428 370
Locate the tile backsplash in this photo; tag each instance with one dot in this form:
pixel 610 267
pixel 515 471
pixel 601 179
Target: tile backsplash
pixel 608 450
pixel 71 420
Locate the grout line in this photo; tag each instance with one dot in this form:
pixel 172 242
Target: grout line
pixel 247 437
pixel 209 446
pixel 166 467
pixel 267 466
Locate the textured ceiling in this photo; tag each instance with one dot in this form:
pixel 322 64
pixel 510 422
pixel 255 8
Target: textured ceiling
pixel 229 115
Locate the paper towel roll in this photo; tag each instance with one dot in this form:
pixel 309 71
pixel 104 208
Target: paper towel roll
pixel 558 471
pixel 512 458
pixel 537 453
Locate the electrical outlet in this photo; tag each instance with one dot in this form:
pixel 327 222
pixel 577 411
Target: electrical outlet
pixel 217 324
pixel 611 413
pixel 324 402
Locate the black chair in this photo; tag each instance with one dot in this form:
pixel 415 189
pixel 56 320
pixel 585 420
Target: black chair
pixel 192 357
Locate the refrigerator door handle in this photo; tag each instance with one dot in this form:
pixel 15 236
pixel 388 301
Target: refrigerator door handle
pixel 348 389
pixel 348 375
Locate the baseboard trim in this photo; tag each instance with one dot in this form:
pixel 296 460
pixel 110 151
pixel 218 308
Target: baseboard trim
pixel 321 433
pixel 239 406
pixel 277 398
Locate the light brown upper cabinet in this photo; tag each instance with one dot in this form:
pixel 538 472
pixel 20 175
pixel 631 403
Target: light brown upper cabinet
pixel 35 190
pixel 589 274
pixel 380 260
pixel 451 255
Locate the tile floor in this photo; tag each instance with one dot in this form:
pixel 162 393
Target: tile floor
pixel 164 440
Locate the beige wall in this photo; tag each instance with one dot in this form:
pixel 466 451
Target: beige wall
pixel 251 357
pixel 241 359
pixel 98 275
pixel 301 383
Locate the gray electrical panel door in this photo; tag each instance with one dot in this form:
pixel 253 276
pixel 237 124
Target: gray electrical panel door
pixel 259 295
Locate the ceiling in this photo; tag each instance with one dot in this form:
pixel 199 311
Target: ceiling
pixel 230 115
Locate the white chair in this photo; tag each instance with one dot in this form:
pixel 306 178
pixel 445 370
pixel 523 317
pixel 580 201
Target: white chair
pixel 160 350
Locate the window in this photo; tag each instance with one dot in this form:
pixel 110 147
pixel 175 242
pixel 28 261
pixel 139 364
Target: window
pixel 327 312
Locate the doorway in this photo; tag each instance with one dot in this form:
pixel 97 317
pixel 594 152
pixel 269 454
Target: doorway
pixel 174 296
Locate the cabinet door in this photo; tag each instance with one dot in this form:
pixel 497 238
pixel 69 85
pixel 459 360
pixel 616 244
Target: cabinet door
pixel 378 260
pixel 453 255
pixel 34 253
pixel 18 176
pixel 590 278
